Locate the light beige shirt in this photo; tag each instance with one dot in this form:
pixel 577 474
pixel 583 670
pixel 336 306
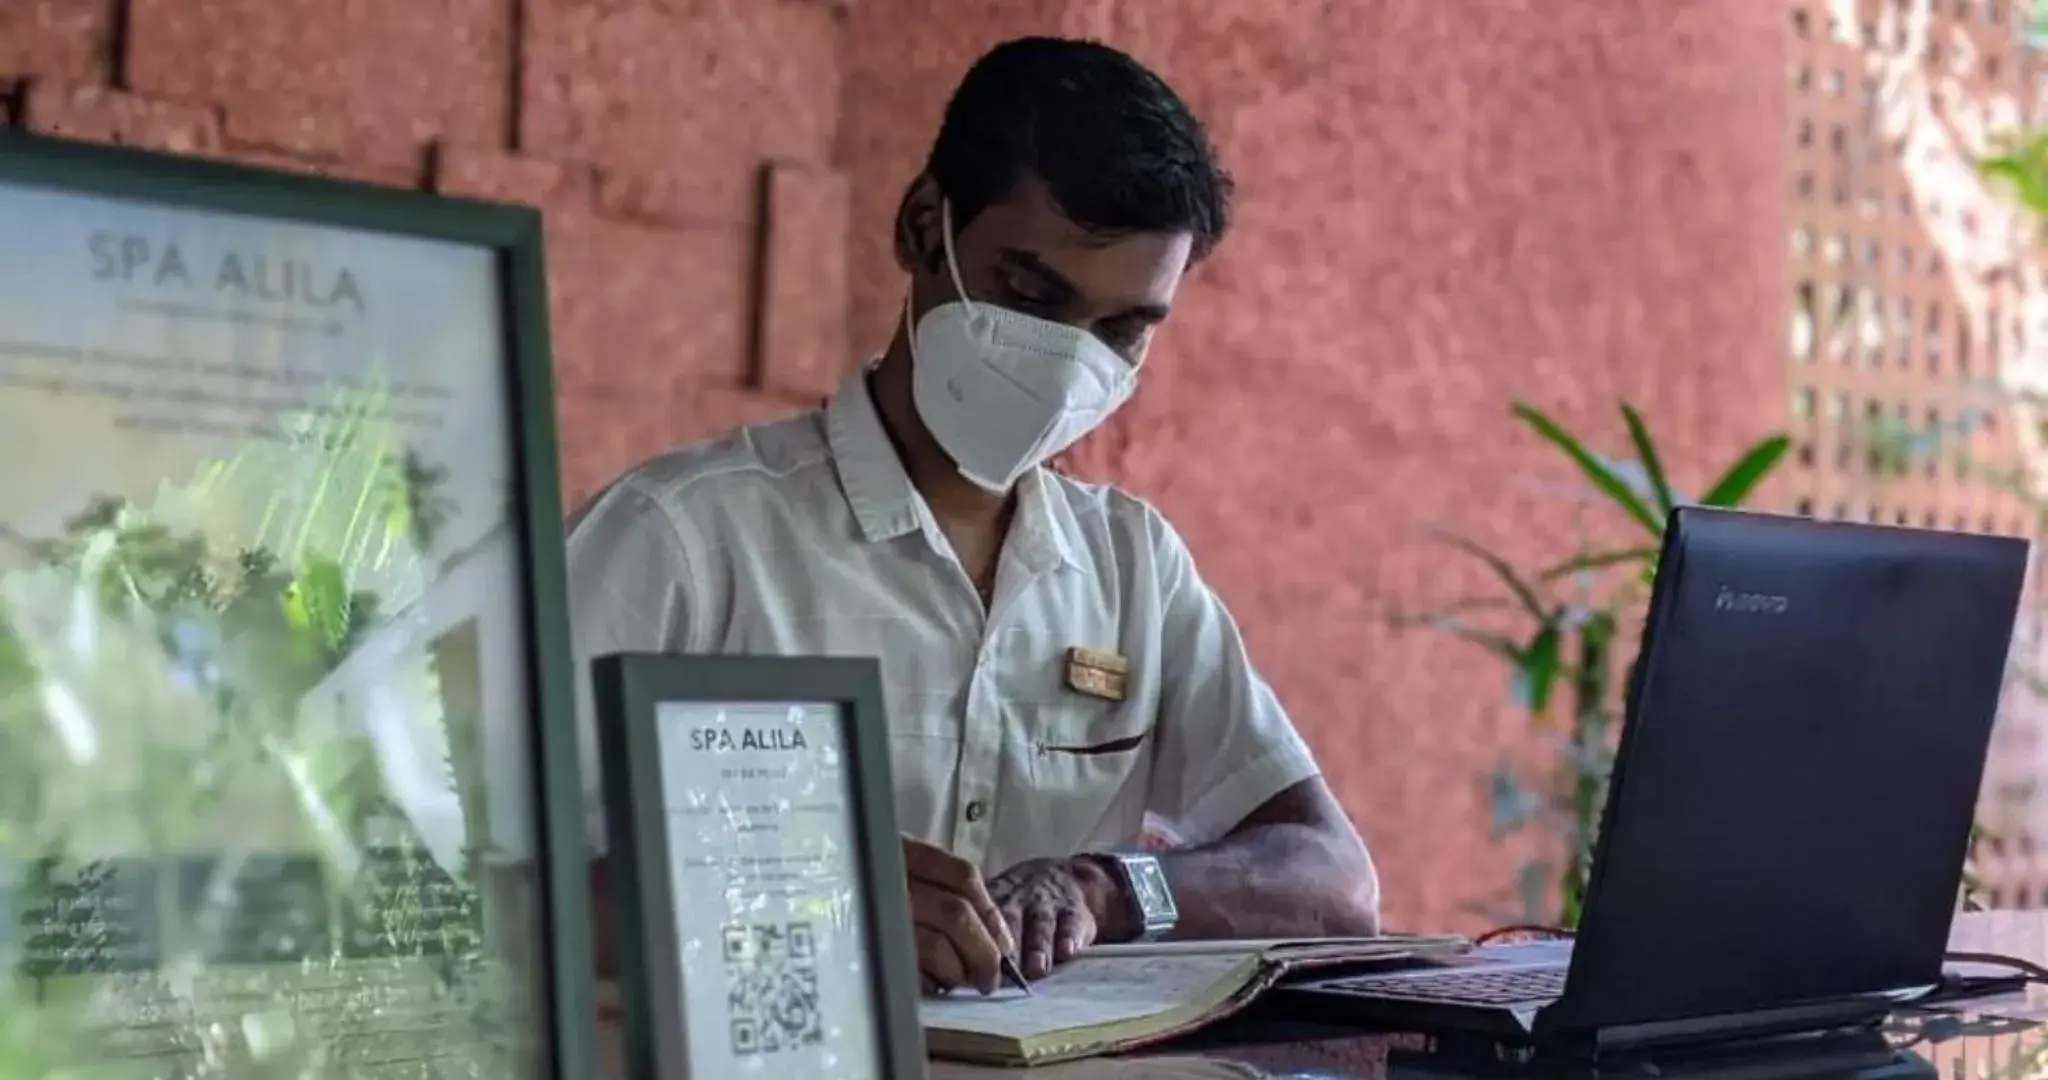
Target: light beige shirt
pixel 805 536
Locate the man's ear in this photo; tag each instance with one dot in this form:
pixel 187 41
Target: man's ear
pixel 918 221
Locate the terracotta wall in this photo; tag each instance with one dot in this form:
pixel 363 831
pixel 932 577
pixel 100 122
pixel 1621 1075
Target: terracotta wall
pixel 1446 204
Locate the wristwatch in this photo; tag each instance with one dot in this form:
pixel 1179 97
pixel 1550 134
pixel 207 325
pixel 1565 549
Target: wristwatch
pixel 1144 885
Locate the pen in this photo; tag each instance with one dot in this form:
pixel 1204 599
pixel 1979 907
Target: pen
pixel 1015 974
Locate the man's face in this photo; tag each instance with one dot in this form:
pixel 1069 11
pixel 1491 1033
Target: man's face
pixel 1023 254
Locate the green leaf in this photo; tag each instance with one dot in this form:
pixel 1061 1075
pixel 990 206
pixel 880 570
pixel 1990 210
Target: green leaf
pixel 1742 478
pixel 318 601
pixel 1603 476
pixel 1598 560
pixel 1536 670
pixel 1524 594
pixel 1572 884
pixel 2025 178
pixel 1646 452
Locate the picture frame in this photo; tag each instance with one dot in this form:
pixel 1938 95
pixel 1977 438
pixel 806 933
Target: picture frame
pixel 174 196
pixel 639 748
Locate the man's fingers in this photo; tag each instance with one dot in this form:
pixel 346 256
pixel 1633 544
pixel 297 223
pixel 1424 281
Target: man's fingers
pixel 1041 920
pixel 1013 921
pixel 976 951
pixel 941 870
pixel 991 916
pixel 1004 933
pixel 1072 934
pixel 1002 890
pixel 938 963
pixel 922 859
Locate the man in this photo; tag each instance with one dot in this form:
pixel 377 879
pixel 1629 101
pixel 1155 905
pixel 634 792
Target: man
pixel 912 518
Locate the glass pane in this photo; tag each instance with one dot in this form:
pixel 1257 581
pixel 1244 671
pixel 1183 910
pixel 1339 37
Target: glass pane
pixel 264 762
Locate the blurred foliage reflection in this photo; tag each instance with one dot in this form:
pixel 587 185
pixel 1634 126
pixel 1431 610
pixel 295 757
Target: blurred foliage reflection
pixel 210 859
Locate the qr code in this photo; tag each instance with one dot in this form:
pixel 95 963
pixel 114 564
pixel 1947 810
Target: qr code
pixel 771 973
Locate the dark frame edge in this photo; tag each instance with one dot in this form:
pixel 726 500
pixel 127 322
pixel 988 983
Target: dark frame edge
pixel 897 983
pixel 642 903
pixel 558 781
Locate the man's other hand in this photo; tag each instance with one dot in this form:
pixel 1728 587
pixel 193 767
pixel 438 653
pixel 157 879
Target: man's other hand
pixel 961 936
pixel 1055 907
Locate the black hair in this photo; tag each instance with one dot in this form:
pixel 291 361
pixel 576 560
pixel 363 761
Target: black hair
pixel 1119 151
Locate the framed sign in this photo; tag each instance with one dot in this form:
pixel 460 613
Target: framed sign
pixel 764 917
pixel 288 779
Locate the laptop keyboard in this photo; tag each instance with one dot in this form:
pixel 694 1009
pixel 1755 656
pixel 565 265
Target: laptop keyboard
pixel 1516 986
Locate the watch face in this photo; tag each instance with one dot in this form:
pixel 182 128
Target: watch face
pixel 1148 885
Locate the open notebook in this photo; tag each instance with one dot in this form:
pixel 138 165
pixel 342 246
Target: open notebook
pixel 1120 997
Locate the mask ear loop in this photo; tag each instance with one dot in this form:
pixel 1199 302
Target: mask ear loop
pixel 909 326
pixel 952 270
pixel 952 260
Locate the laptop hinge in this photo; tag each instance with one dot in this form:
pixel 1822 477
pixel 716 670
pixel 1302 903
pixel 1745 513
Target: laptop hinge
pixel 1611 1039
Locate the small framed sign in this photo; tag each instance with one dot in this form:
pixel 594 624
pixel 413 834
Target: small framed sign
pixel 764 919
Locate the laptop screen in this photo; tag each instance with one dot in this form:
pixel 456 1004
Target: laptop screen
pixel 1793 797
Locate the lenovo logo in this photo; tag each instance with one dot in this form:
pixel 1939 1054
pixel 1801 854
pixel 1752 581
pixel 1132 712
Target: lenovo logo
pixel 1750 603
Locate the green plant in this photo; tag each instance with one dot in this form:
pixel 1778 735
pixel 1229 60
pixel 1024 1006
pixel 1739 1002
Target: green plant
pixel 2021 165
pixel 1560 629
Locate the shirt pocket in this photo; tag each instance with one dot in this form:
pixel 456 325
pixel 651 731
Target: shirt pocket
pixel 1085 754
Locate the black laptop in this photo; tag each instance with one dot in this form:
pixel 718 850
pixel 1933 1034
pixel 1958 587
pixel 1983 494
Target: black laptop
pixel 1791 805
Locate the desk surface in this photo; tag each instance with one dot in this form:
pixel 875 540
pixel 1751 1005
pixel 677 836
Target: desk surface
pixel 2002 1039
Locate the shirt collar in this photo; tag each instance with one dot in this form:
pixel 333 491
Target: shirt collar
pixel 1047 523
pixel 878 491
pixel 886 505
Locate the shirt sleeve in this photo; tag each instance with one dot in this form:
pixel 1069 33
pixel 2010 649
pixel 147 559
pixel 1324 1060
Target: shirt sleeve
pixel 1225 744
pixel 630 587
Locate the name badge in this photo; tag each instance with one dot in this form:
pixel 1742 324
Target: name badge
pixel 1097 674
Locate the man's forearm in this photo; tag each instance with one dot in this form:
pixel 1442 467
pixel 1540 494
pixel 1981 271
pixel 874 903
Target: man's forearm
pixel 1276 880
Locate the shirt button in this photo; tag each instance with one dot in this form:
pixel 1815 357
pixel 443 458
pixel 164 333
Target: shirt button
pixel 977 810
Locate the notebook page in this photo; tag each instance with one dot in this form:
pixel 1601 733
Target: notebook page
pixel 1088 992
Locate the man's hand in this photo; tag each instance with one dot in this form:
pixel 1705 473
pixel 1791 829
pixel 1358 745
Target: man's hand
pixel 1057 908
pixel 961 937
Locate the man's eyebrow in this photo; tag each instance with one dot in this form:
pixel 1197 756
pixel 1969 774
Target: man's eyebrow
pixel 1052 279
pixel 1064 289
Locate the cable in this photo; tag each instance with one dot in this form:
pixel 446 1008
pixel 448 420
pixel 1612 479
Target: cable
pixel 1958 989
pixel 1930 1019
pixel 1909 1030
pixel 2028 970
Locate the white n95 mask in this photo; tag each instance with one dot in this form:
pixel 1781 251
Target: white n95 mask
pixel 1003 391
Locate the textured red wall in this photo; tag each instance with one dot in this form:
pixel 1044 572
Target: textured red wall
pixel 1445 204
